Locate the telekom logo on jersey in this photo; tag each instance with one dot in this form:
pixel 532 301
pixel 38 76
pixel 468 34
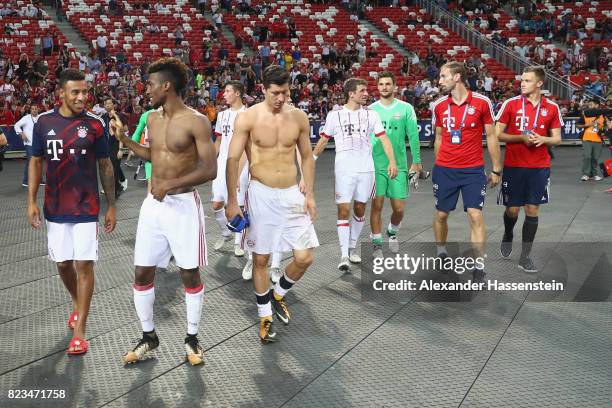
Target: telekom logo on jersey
pixel 55 147
pixel 350 128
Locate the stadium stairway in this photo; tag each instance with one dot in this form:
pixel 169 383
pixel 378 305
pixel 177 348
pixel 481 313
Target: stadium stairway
pixel 71 34
pixel 229 35
pixel 385 37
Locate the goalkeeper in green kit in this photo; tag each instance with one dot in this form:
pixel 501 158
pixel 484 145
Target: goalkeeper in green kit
pixel 400 122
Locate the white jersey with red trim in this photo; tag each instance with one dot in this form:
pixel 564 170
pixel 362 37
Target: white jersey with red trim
pixel 351 130
pixel 224 128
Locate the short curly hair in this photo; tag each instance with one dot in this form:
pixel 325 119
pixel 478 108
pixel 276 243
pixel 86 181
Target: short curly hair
pixel 172 70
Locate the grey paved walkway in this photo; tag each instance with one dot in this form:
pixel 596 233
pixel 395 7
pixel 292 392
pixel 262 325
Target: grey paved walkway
pixel 495 351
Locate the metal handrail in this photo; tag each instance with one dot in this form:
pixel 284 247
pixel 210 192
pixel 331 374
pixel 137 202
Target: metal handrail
pixel 557 85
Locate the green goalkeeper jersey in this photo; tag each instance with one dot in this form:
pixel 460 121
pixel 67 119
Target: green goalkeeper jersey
pixel 400 122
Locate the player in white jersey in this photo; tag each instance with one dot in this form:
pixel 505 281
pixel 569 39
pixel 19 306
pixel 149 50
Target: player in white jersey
pixel 351 128
pixel 224 130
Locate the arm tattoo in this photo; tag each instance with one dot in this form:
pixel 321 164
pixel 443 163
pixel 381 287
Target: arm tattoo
pixel 107 179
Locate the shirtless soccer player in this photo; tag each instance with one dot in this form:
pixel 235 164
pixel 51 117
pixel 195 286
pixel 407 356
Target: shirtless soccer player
pixel 351 128
pixel 281 216
pixel 171 220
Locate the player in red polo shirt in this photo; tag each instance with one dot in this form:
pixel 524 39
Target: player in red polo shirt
pixel 459 120
pixel 528 123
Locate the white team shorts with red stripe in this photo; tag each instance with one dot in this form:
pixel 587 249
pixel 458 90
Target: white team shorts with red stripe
pixel 174 226
pixel 219 187
pixel 354 186
pixel 72 241
pixel 245 176
pixel 278 220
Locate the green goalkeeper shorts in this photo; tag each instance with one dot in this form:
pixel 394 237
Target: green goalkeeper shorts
pixel 396 188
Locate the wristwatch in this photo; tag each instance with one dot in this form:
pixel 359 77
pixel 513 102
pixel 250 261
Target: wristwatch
pixel 497 173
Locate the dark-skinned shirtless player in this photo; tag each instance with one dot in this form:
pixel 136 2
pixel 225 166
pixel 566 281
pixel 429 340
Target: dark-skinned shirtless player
pixel 171 220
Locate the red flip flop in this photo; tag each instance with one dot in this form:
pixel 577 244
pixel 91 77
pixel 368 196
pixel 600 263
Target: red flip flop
pixel 72 319
pixel 77 346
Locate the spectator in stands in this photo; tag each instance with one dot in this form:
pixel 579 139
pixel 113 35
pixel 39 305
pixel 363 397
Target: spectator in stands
pixel 7 118
pixel 47 44
pixel 210 110
pixel 432 71
pixel 292 28
pixel 40 71
pixel 93 62
pixel 31 11
pixel 101 43
pixel 6 91
pixel 178 35
pixel 264 53
pixel 202 5
pixel 115 147
pixel 360 46
pixel 153 28
pixel 24 128
pixel 218 19
pixel 114 7
pixel 223 53
pixel 257 69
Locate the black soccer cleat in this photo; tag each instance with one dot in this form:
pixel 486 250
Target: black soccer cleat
pixel 280 310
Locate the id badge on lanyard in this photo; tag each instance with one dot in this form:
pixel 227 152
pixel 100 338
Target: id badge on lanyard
pixel 455 134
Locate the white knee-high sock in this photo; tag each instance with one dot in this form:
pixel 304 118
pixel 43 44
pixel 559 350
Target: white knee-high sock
pixel 282 286
pixel 356 227
pixel 264 307
pixel 144 297
pixel 194 297
pixel 237 238
pixel 343 237
pixel 222 221
pixel 276 259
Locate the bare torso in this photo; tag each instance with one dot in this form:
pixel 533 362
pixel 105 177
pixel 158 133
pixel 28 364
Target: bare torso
pixel 173 148
pixel 271 145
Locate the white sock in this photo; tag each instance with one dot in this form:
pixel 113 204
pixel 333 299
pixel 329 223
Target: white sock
pixel 237 238
pixel 343 237
pixel 222 221
pixel 394 228
pixel 144 297
pixel 264 307
pixel 356 227
pixel 276 259
pixel 441 249
pixel 283 281
pixel 194 297
pixel 250 255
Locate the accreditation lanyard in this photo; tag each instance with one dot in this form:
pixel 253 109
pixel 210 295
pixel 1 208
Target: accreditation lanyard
pixel 535 121
pixel 455 134
pixel 462 124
